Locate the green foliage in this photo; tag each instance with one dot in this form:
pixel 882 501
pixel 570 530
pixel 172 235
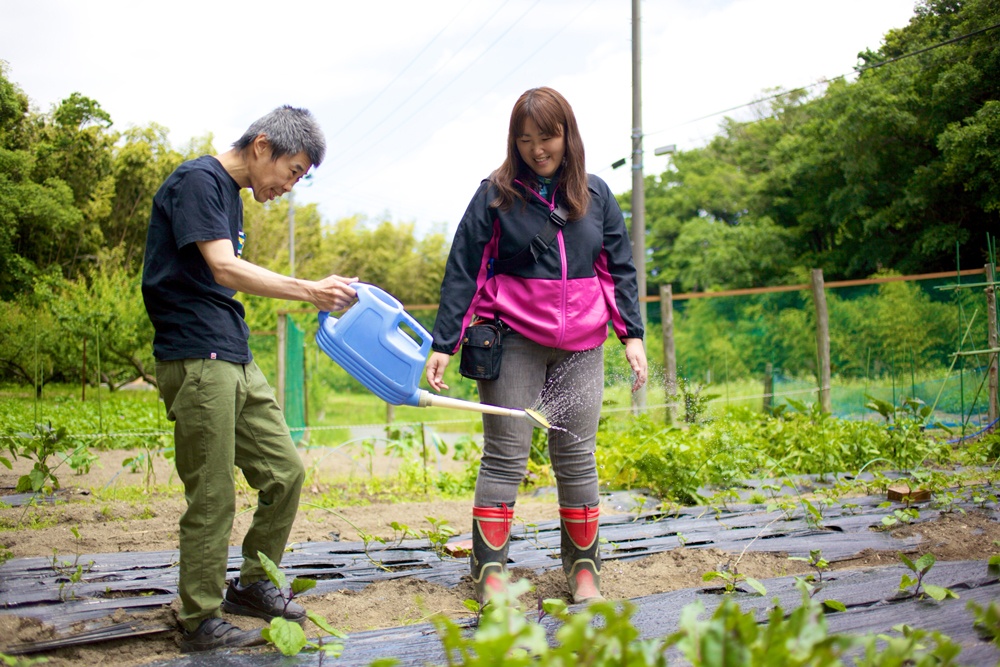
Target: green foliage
pixel 289 637
pixel 438 535
pixel 645 455
pixel 813 583
pixel 920 568
pixel 69 574
pixel 22 661
pixel 732 578
pixel 888 171
pixel 602 635
pixel 42 445
pixel 987 620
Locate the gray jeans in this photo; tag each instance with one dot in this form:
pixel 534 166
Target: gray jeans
pixel 565 387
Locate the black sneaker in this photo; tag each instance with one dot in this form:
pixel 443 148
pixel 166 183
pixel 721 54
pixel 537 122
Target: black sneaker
pixel 215 633
pixel 261 599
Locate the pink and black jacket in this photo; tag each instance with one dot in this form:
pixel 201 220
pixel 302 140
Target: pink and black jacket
pixel 564 300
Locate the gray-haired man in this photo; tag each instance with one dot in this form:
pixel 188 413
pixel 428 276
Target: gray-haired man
pixel 225 413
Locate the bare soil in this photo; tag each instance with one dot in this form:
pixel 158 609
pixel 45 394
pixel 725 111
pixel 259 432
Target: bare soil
pixel 106 524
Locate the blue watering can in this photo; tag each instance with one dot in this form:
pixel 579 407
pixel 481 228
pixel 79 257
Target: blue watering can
pixel 368 342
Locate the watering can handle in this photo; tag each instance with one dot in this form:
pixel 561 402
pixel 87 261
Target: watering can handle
pixel 324 314
pixel 425 338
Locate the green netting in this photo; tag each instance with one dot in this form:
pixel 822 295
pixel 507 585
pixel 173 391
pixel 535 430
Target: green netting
pixel 295 381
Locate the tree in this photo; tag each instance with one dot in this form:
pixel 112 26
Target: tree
pixel 887 172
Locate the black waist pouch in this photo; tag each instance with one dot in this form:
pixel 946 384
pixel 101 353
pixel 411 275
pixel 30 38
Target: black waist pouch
pixel 482 347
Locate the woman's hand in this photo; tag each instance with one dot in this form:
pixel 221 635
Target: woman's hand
pixel 635 354
pixel 435 370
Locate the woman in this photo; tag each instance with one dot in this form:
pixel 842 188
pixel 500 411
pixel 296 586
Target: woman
pixel 554 307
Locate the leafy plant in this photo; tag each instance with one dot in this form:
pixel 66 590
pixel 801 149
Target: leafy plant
pixel 987 620
pixel 43 444
pixel 904 515
pixel 438 535
pixel 70 573
pixel 921 567
pixel 21 661
pixel 732 578
pixel 695 402
pixel 813 583
pixel 288 636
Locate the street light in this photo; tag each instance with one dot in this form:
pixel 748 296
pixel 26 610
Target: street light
pixel 665 150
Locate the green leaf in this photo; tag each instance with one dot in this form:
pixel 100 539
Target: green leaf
pixel 939 592
pixel 756 585
pixel 907 562
pixel 288 636
pixel 554 606
pixel 6 463
pixel 23 484
pixel 835 605
pixel 301 585
pixel 276 576
pixel 324 625
pixel 925 563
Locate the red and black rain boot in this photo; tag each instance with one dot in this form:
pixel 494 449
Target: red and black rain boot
pixel 490 539
pixel 581 556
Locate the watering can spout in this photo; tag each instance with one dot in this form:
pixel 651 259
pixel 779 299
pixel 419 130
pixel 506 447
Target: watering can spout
pixel 427 399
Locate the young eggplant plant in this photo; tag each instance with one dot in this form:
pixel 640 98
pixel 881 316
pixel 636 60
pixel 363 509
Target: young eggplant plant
pixel 288 636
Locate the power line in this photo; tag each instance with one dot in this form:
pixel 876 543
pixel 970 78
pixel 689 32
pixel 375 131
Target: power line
pixel 401 72
pixel 530 56
pixel 824 82
pixel 369 145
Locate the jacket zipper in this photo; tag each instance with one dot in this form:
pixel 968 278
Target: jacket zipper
pixel 562 258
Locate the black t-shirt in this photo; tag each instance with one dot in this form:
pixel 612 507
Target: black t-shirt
pixel 193 316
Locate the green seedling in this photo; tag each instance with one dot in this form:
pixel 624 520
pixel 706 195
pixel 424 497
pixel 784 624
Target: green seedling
pixel 786 506
pixel 438 535
pixel 947 502
pixel 904 515
pixel 987 620
pixel 70 574
pixel 21 661
pixel 732 578
pixel 921 567
pixel 813 583
pixel 290 637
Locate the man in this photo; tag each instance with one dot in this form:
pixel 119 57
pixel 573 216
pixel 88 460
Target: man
pixel 225 413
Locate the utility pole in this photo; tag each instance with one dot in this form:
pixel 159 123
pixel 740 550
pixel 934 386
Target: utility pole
pixel 638 187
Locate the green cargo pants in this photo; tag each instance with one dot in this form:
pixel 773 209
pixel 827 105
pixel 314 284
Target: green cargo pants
pixel 226 415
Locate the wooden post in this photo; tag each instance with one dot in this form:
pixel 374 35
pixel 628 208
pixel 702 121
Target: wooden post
pixel 282 343
pixel 991 312
pixel 822 341
pixel 669 351
pixel 768 387
pixel 390 413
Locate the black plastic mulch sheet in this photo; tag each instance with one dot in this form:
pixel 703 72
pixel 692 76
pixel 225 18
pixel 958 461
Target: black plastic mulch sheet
pixel 140 582
pixel 870 595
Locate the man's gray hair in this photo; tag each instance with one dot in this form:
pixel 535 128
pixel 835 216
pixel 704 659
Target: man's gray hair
pixel 289 131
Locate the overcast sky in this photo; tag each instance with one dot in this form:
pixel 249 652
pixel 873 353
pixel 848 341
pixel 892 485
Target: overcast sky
pixel 415 95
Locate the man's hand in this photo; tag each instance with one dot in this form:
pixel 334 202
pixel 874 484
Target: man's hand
pixel 333 292
pixel 330 293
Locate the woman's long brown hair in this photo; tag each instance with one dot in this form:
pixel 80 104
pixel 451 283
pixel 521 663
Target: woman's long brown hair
pixel 554 116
